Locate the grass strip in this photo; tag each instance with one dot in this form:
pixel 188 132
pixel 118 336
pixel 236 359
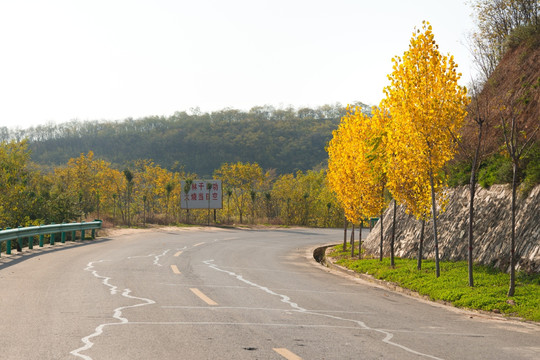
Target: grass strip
pixel 488 294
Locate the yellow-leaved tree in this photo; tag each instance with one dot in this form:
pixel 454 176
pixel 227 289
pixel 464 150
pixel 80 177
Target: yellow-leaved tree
pixel 151 188
pixel 427 106
pixel 408 182
pixel 304 199
pixel 85 181
pixel 356 165
pixel 240 180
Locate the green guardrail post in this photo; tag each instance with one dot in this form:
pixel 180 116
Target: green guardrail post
pixel 41 240
pixel 8 245
pixel 52 237
pixel 74 235
pixel 19 241
pixel 100 225
pixel 63 237
pixel 30 242
pixel 83 232
pixel 94 232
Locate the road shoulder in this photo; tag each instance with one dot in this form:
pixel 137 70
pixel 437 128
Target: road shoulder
pixel 317 257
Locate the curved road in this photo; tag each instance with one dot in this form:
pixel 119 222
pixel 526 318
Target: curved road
pixel 226 294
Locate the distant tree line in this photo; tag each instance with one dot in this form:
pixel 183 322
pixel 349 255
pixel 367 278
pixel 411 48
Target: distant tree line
pixel 87 187
pixel 287 140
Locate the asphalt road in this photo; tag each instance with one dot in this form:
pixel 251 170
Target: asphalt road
pixel 227 294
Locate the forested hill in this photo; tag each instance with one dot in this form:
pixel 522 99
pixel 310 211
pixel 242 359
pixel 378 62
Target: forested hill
pixel 283 139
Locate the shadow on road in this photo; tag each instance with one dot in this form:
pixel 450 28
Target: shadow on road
pixel 17 257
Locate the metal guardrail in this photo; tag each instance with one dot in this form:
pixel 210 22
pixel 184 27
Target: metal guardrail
pixel 372 222
pixel 30 232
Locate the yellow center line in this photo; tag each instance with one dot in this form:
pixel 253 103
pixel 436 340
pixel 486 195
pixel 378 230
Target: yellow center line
pixel 198 244
pixel 175 269
pixel 287 354
pixel 203 297
pixel 177 254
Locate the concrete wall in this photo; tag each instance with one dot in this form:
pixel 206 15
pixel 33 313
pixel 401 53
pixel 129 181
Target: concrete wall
pixel 492 229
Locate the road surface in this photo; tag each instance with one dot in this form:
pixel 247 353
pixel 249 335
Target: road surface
pixel 226 294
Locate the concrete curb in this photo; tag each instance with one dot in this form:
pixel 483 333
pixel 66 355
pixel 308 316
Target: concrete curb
pixel 319 254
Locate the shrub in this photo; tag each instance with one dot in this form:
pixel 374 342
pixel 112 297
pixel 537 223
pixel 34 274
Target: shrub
pixel 531 172
pixel 497 169
pixel 526 34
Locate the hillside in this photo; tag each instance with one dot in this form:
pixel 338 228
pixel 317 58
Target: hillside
pixel 286 140
pixel 512 92
pixel 492 245
pixel 516 81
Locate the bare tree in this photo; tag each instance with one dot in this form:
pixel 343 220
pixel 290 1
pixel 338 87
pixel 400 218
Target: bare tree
pixel 475 147
pixel 479 114
pixel 496 20
pixel 517 141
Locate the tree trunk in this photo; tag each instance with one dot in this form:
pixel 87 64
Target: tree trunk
pixel 512 288
pixel 128 207
pixel 345 235
pixel 97 205
pixel 392 263
pixel 421 246
pixel 382 236
pixel 360 239
pixel 144 213
pixel 434 214
pixel 208 214
pixel 472 190
pixel 382 228
pixel 352 241
pixel 229 209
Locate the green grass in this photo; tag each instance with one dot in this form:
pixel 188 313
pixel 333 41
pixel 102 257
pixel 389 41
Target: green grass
pixel 488 294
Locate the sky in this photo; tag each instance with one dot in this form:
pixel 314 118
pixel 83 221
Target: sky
pixel 63 60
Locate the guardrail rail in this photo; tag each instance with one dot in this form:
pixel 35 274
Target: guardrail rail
pixel 30 232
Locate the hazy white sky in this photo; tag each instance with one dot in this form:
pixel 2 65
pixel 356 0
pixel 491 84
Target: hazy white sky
pixel 112 59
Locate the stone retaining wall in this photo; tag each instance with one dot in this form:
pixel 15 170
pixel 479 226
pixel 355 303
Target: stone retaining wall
pixel 492 230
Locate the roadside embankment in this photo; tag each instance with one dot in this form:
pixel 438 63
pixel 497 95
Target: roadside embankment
pixel 492 229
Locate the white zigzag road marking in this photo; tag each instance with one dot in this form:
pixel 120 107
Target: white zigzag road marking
pixel 117 312
pixel 287 300
pixel 156 257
